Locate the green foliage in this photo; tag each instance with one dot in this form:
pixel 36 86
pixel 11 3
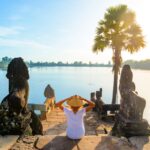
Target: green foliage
pixel 4 63
pixel 143 64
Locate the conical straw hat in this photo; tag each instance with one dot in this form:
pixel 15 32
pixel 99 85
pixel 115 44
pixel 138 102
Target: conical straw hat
pixel 75 101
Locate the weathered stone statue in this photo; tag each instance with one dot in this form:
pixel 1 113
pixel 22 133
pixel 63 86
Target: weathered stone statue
pixel 93 99
pixel 129 120
pixel 15 117
pixel 49 93
pixel 17 68
pixel 99 101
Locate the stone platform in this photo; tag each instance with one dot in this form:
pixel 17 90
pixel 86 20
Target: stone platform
pixel 7 141
pixel 103 142
pixel 56 124
pixel 96 138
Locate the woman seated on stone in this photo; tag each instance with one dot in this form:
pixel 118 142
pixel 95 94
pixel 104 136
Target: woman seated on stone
pixel 15 118
pixel 75 114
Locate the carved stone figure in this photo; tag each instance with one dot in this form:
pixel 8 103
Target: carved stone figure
pixel 15 118
pixel 49 93
pixel 129 120
pixel 16 69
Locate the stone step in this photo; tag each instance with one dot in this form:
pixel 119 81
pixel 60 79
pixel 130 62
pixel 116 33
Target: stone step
pixel 55 114
pixel 61 142
pixel 56 121
pixel 53 121
pixel 92 125
pixel 57 111
pixel 57 117
pixel 6 142
pixel 102 142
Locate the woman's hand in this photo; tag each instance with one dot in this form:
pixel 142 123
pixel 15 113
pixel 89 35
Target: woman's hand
pixel 90 105
pixel 60 104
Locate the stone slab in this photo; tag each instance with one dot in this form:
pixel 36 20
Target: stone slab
pixel 86 143
pixel 56 143
pixel 25 143
pixel 103 142
pixel 140 142
pixel 6 142
pixel 89 143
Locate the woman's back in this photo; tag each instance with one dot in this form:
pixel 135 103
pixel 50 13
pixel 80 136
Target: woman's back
pixel 75 123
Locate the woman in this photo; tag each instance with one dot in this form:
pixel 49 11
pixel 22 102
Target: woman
pixel 75 115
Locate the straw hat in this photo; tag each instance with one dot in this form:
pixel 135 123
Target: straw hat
pixel 75 101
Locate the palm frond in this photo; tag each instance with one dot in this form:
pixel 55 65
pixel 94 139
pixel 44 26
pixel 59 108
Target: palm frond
pixel 114 13
pixel 134 29
pixel 135 43
pixel 127 19
pixel 100 44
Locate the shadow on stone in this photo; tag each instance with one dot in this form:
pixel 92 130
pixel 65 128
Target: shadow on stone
pixel 114 143
pixel 56 143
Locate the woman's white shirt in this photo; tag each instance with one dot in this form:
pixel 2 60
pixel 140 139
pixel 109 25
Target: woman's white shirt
pixel 75 123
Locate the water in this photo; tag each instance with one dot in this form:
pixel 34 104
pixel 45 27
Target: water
pixel 68 81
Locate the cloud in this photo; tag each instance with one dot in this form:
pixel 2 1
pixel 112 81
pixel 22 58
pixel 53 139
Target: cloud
pixel 6 31
pixel 23 44
pixel 6 41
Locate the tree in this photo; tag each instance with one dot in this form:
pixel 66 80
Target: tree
pixel 6 59
pixel 118 31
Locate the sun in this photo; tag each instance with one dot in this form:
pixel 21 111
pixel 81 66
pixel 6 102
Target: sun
pixel 141 9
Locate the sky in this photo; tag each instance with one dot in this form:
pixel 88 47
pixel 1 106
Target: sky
pixel 62 30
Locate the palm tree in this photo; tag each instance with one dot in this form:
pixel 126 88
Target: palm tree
pixel 118 31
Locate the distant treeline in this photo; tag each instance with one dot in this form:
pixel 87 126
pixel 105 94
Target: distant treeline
pixel 5 61
pixel 75 64
pixel 143 64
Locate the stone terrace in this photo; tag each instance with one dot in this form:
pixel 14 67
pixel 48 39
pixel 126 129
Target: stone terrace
pixel 56 124
pixel 55 137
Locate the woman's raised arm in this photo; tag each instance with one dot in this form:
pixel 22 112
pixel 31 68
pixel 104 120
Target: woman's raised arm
pixel 60 104
pixel 90 105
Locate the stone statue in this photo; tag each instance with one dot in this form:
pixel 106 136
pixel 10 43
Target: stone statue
pixel 97 99
pixel 17 68
pixel 129 120
pixel 49 93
